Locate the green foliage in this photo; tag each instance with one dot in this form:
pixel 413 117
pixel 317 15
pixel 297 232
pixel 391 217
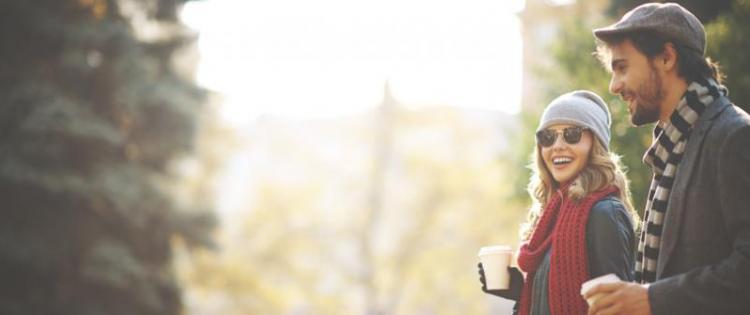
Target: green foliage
pixel 728 44
pixel 576 68
pixel 91 116
pixel 521 157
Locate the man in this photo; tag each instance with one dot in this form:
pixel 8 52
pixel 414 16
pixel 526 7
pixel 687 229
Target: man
pixel 694 252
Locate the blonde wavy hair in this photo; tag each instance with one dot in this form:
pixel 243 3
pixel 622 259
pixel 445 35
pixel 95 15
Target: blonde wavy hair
pixel 602 169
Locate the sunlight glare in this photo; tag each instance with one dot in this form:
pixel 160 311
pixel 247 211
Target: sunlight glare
pixel 327 58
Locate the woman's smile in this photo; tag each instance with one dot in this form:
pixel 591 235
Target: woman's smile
pixel 565 160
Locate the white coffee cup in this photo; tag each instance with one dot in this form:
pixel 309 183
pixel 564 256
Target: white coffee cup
pixel 495 261
pixel 588 285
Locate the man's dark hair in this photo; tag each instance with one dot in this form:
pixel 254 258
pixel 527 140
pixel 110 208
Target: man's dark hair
pixel 690 64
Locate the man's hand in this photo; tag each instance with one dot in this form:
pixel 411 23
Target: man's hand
pixel 619 298
pixel 515 287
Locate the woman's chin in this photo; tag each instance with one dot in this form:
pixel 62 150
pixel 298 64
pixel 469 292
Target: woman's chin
pixel 563 179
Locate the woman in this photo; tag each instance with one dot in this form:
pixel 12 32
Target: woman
pixel 580 226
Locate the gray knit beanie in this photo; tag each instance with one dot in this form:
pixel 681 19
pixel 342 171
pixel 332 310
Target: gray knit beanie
pixel 581 108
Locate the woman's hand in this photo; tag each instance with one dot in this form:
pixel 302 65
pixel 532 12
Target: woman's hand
pixel 514 288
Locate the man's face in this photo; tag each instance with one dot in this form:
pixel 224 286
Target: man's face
pixel 636 80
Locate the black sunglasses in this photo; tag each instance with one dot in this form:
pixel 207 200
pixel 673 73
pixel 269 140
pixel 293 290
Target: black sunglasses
pixel 547 137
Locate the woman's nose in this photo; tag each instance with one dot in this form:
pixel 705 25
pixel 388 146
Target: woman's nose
pixel 559 141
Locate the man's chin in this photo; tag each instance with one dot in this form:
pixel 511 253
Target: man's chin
pixel 638 119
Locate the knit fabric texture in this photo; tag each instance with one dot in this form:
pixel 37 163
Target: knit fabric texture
pixel 579 108
pixel 664 157
pixel 561 229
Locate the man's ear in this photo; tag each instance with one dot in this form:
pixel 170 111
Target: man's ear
pixel 668 57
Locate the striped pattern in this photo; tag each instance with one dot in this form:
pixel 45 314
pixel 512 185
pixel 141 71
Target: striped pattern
pixel 664 156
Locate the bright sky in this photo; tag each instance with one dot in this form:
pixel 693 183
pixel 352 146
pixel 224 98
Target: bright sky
pixel 303 58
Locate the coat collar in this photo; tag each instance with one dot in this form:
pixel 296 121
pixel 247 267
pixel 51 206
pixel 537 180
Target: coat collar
pixel 676 205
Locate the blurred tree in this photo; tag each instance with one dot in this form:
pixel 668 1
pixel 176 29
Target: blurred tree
pixel 573 68
pixel 94 110
pixel 521 156
pixel 728 42
pixel 459 200
pixel 272 262
pixel 376 214
pixel 706 11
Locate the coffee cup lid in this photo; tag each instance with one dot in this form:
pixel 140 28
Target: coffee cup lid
pixel 593 282
pixel 486 250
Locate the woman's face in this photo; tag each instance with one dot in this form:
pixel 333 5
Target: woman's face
pixel 565 160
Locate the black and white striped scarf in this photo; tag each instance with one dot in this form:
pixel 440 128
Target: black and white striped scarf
pixel 664 156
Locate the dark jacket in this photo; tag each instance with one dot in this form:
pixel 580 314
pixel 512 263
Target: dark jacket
pixel 704 261
pixel 610 241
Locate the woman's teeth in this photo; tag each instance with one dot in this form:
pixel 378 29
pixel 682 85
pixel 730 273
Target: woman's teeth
pixel 561 160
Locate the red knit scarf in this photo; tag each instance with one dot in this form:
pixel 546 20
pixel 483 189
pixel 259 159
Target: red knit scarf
pixel 562 226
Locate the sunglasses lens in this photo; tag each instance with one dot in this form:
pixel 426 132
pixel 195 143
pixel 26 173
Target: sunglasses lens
pixel 546 137
pixel 572 135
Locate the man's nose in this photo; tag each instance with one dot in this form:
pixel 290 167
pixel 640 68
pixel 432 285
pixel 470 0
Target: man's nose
pixel 615 85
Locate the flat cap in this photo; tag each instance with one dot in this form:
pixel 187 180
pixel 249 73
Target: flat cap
pixel 669 20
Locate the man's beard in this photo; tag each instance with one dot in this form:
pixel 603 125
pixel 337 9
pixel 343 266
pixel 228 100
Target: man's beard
pixel 648 100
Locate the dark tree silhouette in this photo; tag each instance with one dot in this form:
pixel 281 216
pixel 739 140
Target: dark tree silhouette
pixel 92 112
